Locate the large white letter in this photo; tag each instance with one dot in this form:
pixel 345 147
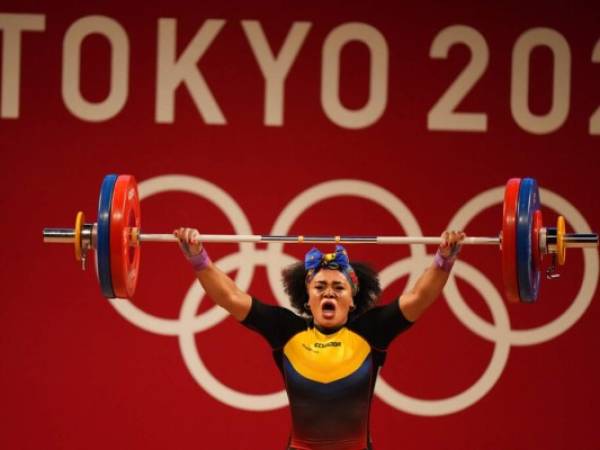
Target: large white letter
pixel 561 87
pixel 171 72
pixel 443 115
pixel 330 78
pixel 12 25
pixel 275 68
pixel 595 119
pixel 119 68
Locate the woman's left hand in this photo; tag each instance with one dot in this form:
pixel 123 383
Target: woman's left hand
pixel 451 243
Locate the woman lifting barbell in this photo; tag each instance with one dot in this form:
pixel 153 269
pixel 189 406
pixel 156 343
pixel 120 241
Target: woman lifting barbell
pixel 330 354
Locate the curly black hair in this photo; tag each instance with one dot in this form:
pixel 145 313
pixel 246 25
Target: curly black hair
pixel 294 283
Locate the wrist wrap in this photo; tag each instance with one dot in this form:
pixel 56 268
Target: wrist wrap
pixel 444 262
pixel 200 261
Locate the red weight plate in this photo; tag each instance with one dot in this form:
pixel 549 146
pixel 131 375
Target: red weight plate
pixel 124 257
pixel 535 241
pixel 509 240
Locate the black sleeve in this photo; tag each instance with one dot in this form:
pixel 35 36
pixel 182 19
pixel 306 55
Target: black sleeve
pixel 380 325
pixel 276 324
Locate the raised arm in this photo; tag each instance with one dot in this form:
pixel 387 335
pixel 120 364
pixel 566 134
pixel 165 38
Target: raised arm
pixel 219 287
pixel 429 286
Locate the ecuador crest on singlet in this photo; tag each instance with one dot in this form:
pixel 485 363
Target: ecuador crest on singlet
pixel 324 357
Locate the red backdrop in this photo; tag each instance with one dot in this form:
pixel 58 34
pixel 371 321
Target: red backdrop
pixel 371 94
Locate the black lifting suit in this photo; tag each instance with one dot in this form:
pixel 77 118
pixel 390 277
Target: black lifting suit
pixel 329 374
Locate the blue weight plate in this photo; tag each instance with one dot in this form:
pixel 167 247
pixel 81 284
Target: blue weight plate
pixel 528 273
pixel 103 239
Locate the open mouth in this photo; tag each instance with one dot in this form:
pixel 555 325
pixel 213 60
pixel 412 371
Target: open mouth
pixel 328 309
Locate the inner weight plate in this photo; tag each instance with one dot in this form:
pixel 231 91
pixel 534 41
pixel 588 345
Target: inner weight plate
pixel 124 257
pixel 103 240
pixel 528 271
pixel 509 244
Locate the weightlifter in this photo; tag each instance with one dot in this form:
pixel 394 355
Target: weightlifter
pixel 330 352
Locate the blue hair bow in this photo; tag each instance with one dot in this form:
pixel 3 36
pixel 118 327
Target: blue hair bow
pixel 337 260
pixel 315 260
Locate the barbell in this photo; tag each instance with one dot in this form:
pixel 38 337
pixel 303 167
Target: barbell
pixel 116 239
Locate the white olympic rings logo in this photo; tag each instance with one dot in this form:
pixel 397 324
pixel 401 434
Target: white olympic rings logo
pixel 244 261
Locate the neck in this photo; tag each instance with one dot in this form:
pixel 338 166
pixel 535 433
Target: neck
pixel 328 330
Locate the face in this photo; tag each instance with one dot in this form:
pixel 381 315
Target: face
pixel 330 298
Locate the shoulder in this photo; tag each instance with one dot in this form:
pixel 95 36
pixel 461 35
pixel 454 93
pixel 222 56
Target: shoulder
pixel 276 323
pixel 260 309
pixel 381 324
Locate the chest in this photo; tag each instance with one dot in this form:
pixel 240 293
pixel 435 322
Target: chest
pixel 326 358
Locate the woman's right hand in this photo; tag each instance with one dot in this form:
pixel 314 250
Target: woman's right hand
pixel 215 282
pixel 188 241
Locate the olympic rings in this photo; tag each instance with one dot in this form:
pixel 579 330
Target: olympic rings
pixel 335 188
pixel 221 199
pixel 273 258
pixel 492 373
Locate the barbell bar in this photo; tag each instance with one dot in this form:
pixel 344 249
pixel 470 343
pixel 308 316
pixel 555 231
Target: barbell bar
pixel 68 236
pixel 116 239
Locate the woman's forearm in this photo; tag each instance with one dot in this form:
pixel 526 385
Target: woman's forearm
pixel 217 284
pixel 429 286
pixel 224 292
